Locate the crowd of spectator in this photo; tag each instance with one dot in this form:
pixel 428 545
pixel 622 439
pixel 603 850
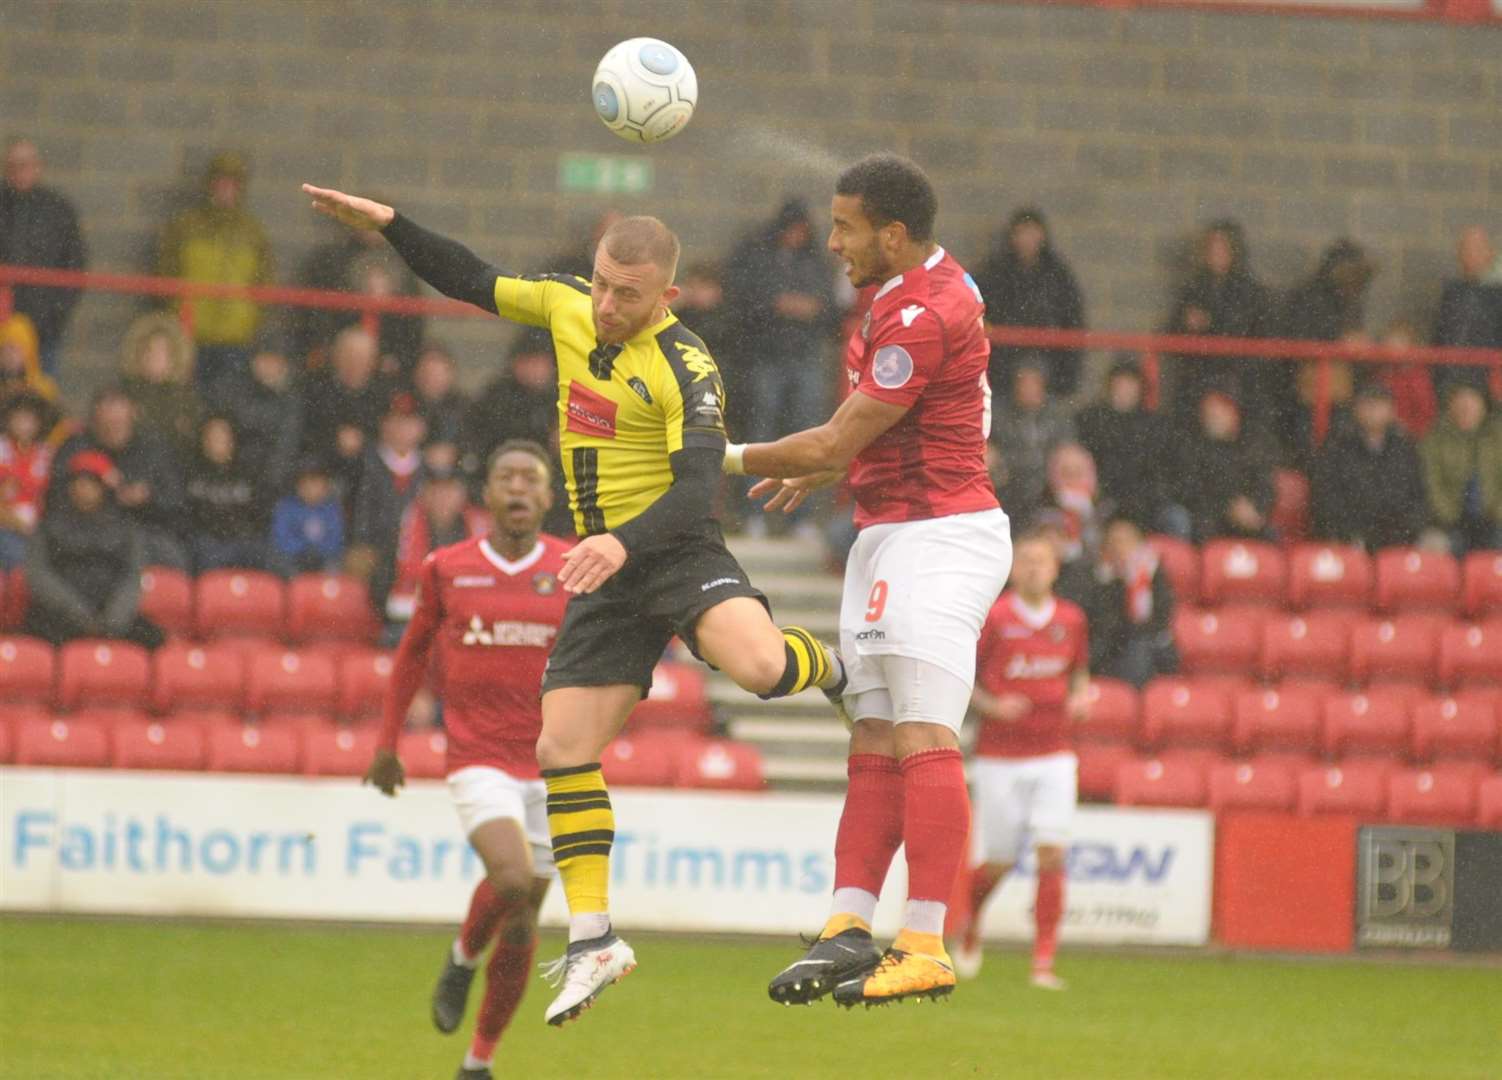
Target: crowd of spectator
pixel 230 439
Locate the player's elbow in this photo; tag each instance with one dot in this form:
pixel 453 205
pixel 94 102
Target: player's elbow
pixel 834 449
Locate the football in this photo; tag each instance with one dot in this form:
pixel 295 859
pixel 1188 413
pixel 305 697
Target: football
pixel 645 90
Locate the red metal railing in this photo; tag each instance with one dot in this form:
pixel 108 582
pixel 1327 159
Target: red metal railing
pixel 1149 346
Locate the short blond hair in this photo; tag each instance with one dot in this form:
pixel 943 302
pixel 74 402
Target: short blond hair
pixel 643 239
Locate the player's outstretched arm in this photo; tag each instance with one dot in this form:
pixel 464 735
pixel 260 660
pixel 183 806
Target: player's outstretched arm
pixel 408 670
pixel 833 445
pixel 445 264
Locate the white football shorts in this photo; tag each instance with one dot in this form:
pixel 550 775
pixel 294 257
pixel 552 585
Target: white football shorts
pixel 1022 798
pixel 920 591
pixel 483 793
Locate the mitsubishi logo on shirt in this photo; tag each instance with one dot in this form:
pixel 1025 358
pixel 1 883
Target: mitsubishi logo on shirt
pixel 524 634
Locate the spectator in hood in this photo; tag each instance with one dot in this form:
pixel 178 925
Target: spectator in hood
pixel 149 487
pixel 1470 308
pixel 442 404
pixel 1027 428
pixel 358 261
pixel 39 227
pixel 1025 282
pixel 779 289
pixel 1222 298
pixel 219 242
pixel 1368 485
pixel 83 566
pixel 21 374
pixel 1462 456
pixel 1130 444
pixel 156 373
pixel 262 402
pixel 1131 608
pixel 307 527
pixel 390 478
pixel 1330 306
pixel 1224 474
pixel 226 503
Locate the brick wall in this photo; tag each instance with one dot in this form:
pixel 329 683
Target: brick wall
pixel 1128 128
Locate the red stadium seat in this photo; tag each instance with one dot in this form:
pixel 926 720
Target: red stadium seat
pixel 1410 579
pixel 167 599
pixel 1314 645
pixel 719 763
pixel 1181 562
pixel 1432 796
pixel 424 754
pixel 5 736
pixel 1283 719
pixel 239 603
pixel 1471 654
pixel 1294 760
pixel 102 672
pixel 288 680
pixel 1372 724
pixel 679 699
pixel 1489 803
pixel 107 716
pixel 254 749
pixel 1242 571
pixel 1352 787
pixel 1151 782
pixel 1289 516
pixel 205 718
pixel 1114 707
pixel 27 669
pixel 338 751
pixel 1481 584
pixel 646 760
pixel 321 606
pixel 364 677
pixel 1326 576
pixel 1099 763
pixel 1224 641
pixel 1243 785
pixel 1183 712
pixel 198 676
pixel 1446 728
pixel 152 744
pixel 64 743
pixel 1402 648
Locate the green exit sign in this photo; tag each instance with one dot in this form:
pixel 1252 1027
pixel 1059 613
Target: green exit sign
pixel 604 174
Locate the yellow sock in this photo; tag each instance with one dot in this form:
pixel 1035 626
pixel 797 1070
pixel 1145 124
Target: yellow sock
pixel 582 825
pixel 807 663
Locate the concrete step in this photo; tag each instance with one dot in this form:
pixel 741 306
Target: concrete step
pixel 806 774
pixel 728 697
pixel 814 589
pixel 768 556
pixel 785 736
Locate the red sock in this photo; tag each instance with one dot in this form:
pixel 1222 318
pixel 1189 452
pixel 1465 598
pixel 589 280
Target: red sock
pixel 870 825
pixel 505 983
pixel 936 822
pixel 485 911
pixel 1048 909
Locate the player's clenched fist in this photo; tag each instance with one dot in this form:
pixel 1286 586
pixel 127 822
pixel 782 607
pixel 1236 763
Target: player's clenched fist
pixel 386 772
pixel 350 210
pixel 591 563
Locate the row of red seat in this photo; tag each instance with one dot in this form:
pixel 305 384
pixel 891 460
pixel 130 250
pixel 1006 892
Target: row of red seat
pixel 1447 795
pixel 255 678
pixel 1340 646
pixel 658 759
pixel 230 603
pixel 1313 575
pixel 1231 716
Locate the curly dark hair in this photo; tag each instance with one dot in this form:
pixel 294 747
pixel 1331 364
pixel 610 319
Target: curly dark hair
pixel 892 188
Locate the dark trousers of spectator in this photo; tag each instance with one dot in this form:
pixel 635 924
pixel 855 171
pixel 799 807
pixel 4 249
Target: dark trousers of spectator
pixel 1141 658
pixel 164 549
pixel 211 553
pixel 787 394
pixel 1475 534
pixel 60 629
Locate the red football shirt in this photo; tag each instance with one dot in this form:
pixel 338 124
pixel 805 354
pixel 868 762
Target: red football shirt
pixel 923 346
pixel 492 623
pixel 1028 652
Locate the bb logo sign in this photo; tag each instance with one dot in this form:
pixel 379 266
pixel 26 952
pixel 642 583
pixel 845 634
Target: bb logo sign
pixel 1405 887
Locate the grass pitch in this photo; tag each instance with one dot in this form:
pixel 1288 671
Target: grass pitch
pixel 83 999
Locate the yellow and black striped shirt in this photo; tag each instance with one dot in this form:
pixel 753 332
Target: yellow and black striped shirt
pixel 622 410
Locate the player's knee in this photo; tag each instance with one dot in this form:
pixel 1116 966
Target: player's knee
pixel 872 737
pixel 759 669
pixel 1050 858
pixel 520 929
pixel 513 887
pixel 554 753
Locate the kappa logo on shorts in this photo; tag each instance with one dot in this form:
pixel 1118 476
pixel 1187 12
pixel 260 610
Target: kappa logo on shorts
pixel 892 367
pixel 717 582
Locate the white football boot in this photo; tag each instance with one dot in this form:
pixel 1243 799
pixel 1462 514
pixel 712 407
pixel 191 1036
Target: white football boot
pixel 583 972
